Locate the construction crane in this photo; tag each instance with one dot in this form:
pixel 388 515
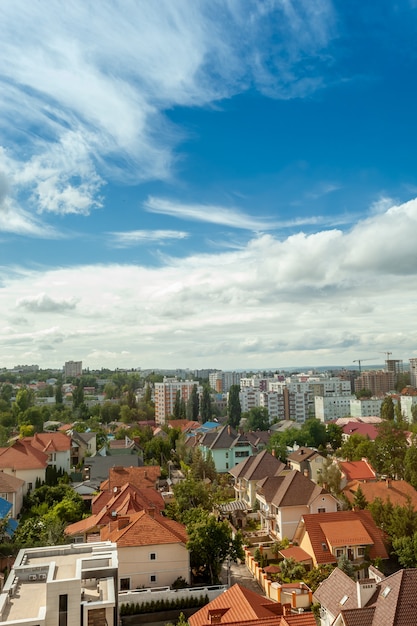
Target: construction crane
pixel 359 361
pixel 388 354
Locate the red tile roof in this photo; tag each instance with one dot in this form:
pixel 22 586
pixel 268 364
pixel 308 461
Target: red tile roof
pixel 296 553
pixel 397 491
pixel 239 606
pixel 315 525
pixel 304 619
pixel 142 529
pixel 140 477
pixel 22 457
pixel 357 470
pixel 49 442
pixel 359 428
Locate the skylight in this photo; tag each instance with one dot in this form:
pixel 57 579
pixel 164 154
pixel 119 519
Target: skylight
pixel 344 599
pixel 386 592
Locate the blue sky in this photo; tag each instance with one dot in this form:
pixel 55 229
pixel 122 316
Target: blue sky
pixel 207 183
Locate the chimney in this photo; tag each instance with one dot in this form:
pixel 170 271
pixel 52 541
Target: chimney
pixel 151 511
pixel 305 472
pixel 273 451
pixel 365 590
pixel 229 430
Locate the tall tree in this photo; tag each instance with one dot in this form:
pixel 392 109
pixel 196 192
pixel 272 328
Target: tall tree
pixel 58 391
pixel 334 436
pixel 387 409
pixel 206 411
pixel 176 412
pixel 359 500
pixel 234 409
pixel 257 418
pixel 210 543
pixel 389 450
pixel 193 405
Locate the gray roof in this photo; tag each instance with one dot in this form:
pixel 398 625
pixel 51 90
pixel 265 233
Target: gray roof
pixel 100 465
pixel 258 466
pixel 225 438
pixel 289 489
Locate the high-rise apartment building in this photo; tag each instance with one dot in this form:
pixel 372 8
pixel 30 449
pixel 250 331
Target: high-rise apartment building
pixel 166 393
pixel 413 372
pixel 379 382
pixel 73 369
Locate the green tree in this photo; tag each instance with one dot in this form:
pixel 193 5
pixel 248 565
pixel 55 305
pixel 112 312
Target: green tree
pixel 257 418
pixel 387 409
pixel 346 566
pixel 334 436
pixel 406 550
pixel 330 477
pixel 399 417
pixel 234 409
pixel 176 412
pixel 356 447
pixel 25 398
pixel 363 393
pixel 410 465
pixel 315 576
pixel 77 395
pixel 58 392
pixel 313 433
pixel 292 570
pixel 193 405
pixel 190 494
pixel 206 411
pixel 202 468
pixel 389 450
pixel 359 500
pixel 210 543
pixel 414 413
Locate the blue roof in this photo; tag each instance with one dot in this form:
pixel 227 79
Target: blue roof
pixel 207 426
pixel 5 508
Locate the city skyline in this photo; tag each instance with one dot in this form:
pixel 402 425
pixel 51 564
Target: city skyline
pixel 207 184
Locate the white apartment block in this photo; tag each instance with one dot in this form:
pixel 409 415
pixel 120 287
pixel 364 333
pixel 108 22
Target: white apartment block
pixel 73 369
pixel 274 402
pixel 329 408
pixel 363 408
pixel 249 398
pixel 166 393
pixel 413 372
pixel 222 381
pixel 407 402
pixel 68 585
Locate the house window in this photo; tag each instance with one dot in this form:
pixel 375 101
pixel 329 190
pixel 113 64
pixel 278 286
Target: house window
pixel 361 551
pixel 339 552
pixel 30 486
pixel 152 578
pixel 227 465
pixel 152 556
pixel 227 455
pixel 321 510
pixel 124 584
pixel 63 610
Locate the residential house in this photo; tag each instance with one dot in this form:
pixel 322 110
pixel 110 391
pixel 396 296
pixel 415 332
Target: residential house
pixel 96 468
pixel 227 447
pixel 12 490
pixel 125 446
pixel 151 548
pixel 284 499
pixel 307 461
pixel 109 505
pixel 247 473
pixel 359 428
pixel 62 584
pixel 328 536
pixel 388 601
pixel 356 470
pixel 398 492
pixel 56 445
pixel 24 462
pixel 82 445
pixel 239 605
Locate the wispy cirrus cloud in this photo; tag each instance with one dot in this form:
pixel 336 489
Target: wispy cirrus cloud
pixel 207 213
pixel 84 93
pixel 134 237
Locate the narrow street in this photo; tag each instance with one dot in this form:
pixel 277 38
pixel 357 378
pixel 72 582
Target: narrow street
pixel 240 574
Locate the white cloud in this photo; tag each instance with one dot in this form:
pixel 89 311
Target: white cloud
pixel 85 88
pixel 207 213
pixel 330 297
pixel 134 237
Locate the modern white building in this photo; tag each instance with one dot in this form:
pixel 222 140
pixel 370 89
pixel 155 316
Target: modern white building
pixel 361 408
pixel 407 402
pixel 68 585
pixel 329 408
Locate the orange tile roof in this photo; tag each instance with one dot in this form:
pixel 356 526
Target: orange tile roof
pixel 49 442
pixel 348 533
pixel 239 606
pixel 357 470
pixel 146 476
pixel 313 523
pixel 397 491
pixel 142 529
pixel 296 553
pixel 22 457
pixel 10 484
